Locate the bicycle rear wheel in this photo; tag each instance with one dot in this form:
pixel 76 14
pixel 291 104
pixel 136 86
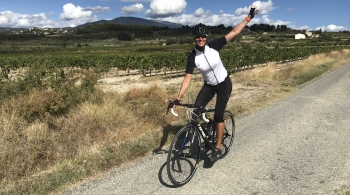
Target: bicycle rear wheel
pixel 183 156
pixel 229 133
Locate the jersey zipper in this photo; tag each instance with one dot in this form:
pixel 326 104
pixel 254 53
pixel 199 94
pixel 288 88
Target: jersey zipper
pixel 211 68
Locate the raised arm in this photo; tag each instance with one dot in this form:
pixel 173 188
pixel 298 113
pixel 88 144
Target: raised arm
pixel 238 29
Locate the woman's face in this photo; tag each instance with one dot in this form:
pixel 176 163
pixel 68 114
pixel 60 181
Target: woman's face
pixel 200 40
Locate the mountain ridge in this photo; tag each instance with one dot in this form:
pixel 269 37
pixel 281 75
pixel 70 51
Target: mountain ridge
pixel 126 20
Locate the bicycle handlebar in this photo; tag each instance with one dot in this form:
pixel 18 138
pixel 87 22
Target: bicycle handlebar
pixel 171 105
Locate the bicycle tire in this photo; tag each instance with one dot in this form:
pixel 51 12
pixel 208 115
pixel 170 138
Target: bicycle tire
pixel 229 133
pixel 183 156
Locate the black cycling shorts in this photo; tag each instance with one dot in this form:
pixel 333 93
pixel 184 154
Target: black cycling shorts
pixel 223 91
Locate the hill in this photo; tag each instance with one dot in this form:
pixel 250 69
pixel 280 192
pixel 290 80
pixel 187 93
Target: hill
pixel 136 21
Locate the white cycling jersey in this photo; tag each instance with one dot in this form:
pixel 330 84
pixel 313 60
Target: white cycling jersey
pixel 208 63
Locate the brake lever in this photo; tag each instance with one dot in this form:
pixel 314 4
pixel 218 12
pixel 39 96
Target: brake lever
pixel 171 107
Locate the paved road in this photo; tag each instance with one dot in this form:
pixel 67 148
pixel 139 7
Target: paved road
pixel 298 146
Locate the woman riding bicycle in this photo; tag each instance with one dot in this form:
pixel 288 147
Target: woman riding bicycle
pixel 205 57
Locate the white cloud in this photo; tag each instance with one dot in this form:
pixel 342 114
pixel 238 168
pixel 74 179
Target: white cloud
pixel 334 28
pixel 70 11
pixel 75 15
pixel 207 17
pixel 199 12
pixel 97 9
pixel 266 20
pixel 240 11
pixel 163 8
pixel 133 9
pixel 264 7
pixel 16 20
pixel 301 27
pixel 72 16
pixel 3 19
pixel 73 22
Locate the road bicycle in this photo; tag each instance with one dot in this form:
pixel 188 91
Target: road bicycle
pixel 197 136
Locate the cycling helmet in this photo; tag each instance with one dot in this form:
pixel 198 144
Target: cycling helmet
pixel 200 29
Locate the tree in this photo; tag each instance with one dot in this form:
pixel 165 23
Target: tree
pixel 320 32
pixel 124 37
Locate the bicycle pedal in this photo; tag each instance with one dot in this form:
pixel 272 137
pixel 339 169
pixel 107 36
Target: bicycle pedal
pixel 186 155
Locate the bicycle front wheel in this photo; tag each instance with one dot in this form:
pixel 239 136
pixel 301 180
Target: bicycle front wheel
pixel 183 156
pixel 229 133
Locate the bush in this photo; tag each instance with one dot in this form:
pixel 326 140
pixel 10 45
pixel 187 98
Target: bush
pixel 44 91
pixel 281 39
pixel 265 39
pixel 171 41
pixel 186 41
pixel 42 103
pixel 147 103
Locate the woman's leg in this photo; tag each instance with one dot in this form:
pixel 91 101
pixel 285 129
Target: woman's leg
pixel 204 96
pixel 223 96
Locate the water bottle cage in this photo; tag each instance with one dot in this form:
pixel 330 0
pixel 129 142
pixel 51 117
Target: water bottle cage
pixel 210 129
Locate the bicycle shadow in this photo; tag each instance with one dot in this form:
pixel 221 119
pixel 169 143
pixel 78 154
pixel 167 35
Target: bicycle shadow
pixel 168 129
pixel 163 177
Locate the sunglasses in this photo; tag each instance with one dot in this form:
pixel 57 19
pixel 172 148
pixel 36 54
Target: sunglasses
pixel 200 36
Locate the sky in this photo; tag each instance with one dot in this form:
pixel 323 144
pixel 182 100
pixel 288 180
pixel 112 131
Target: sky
pixel 330 16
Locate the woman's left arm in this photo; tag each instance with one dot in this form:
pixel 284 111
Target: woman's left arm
pixel 238 29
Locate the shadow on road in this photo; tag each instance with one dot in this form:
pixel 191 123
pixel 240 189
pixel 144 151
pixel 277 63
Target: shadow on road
pixel 168 129
pixel 163 177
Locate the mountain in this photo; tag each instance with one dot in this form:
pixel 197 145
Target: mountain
pixel 136 21
pixel 9 30
pixel 119 20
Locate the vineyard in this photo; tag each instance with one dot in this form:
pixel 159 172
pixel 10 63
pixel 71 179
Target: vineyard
pixel 70 109
pixel 148 62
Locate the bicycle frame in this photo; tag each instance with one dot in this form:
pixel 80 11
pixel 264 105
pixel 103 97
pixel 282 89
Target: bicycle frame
pixel 197 127
pixel 194 122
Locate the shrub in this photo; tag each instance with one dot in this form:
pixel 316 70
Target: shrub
pixel 171 41
pixel 186 41
pixel 43 91
pixel 148 104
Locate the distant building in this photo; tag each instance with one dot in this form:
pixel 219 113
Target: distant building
pixel 309 34
pixel 300 36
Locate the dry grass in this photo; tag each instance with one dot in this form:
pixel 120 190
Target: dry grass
pixel 41 156
pixel 267 84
